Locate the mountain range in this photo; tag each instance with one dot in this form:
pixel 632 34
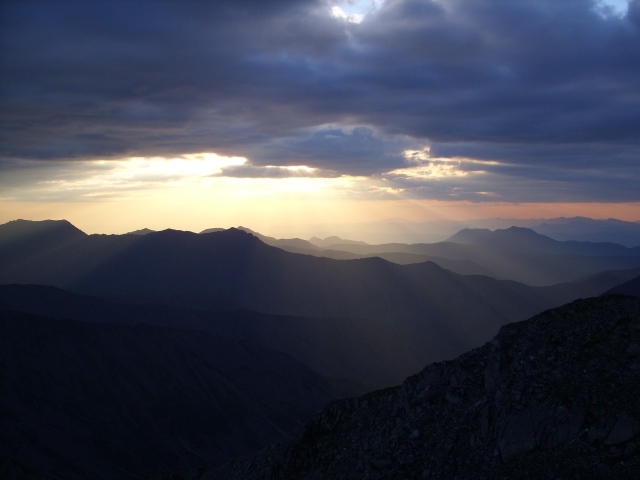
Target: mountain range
pixel 590 230
pixel 264 331
pixel 421 312
pixel 517 254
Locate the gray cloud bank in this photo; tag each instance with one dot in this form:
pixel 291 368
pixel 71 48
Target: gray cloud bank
pixel 548 89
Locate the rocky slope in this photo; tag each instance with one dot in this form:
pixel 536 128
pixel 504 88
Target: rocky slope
pixel 556 396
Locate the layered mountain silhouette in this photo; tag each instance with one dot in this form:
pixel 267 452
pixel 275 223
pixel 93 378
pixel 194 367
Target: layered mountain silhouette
pixel 107 401
pixel 333 240
pixel 426 313
pixel 53 252
pixel 527 241
pixel 515 253
pixel 518 254
pixel 354 355
pixel 590 230
pixel 551 397
pixel 463 267
pixel 155 352
pixel 142 231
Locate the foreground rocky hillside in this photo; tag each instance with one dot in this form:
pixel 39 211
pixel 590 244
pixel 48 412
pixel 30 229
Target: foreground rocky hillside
pixel 556 396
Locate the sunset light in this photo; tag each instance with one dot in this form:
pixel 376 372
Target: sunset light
pixel 320 239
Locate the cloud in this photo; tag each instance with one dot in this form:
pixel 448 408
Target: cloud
pixel 269 171
pixel 337 12
pixel 353 151
pixel 546 89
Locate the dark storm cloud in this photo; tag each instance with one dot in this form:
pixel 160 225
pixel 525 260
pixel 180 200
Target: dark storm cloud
pixel 547 86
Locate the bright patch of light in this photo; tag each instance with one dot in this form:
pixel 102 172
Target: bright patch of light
pixel 433 170
pixel 353 11
pixel 205 172
pixel 337 12
pixel 608 8
pixel 296 169
pixel 148 170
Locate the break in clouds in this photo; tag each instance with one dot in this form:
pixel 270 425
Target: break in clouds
pixel 516 100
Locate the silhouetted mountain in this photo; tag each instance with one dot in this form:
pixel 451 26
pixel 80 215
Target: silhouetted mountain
pixel 142 231
pixel 590 230
pixel 88 400
pixel 325 248
pixel 335 254
pixel 526 241
pixel 470 236
pixel 430 313
pixel 356 355
pixel 40 234
pixel 23 239
pixel 463 267
pixel 632 287
pixel 541 269
pixel 333 240
pixel 53 252
pixel 552 397
pixel 213 230
pixel 284 243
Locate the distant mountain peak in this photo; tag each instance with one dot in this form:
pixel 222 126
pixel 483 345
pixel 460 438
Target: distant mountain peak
pixel 245 229
pixel 212 230
pixel 17 232
pixel 526 241
pixel 334 240
pixel 142 231
pixel 469 236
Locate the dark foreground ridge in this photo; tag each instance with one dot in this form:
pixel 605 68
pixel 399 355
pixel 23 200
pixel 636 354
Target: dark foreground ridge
pixel 556 396
pixel 81 400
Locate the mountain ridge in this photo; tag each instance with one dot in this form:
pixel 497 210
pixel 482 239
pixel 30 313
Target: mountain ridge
pixel 525 240
pixel 536 402
pixel 234 269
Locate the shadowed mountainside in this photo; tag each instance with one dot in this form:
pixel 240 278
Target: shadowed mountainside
pixel 632 287
pixel 551 397
pixel 436 313
pixel 590 230
pixel 355 355
pixel 53 252
pixel 284 243
pixel 527 241
pixel 506 263
pixel 514 253
pixel 428 313
pixel 463 267
pixel 88 400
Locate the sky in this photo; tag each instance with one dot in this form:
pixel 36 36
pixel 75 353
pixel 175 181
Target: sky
pixel 272 115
